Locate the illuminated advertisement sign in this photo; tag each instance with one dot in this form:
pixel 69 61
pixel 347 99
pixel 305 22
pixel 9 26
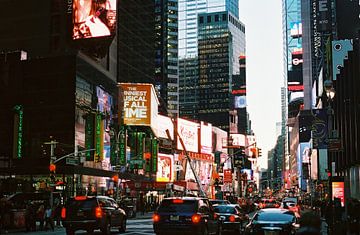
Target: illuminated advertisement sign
pixel 93 18
pixel 297 57
pixel 138 104
pixel 218 136
pixel 203 170
pixel 338 191
pixel 240 102
pixel 238 139
pixel 205 138
pixel 295 29
pixel 165 168
pixel 164 123
pixel 188 131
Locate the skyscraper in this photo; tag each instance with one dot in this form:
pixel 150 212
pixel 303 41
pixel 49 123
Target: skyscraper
pixel 148 48
pixel 221 41
pixel 188 48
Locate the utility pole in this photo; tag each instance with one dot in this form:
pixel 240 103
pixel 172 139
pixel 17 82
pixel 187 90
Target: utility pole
pixel 202 193
pixel 52 144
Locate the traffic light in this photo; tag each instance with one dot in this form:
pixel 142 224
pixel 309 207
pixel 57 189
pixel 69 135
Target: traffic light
pixel 254 152
pixel 259 152
pixel 115 179
pixel 52 169
pixel 147 157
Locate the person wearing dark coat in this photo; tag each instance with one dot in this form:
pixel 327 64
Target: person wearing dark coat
pixel 310 224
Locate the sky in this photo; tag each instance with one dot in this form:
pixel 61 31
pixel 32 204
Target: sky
pixel 264 68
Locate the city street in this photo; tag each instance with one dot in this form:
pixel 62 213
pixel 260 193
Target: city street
pixel 141 225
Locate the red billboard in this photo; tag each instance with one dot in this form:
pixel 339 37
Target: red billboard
pixel 338 191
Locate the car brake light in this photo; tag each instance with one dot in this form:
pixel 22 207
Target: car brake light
pixel 196 218
pixel 63 213
pixel 98 212
pixel 232 218
pixel 80 198
pixel 156 218
pixel 178 201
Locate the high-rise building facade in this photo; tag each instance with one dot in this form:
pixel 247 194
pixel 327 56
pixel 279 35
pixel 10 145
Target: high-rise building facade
pixel 188 48
pixel 148 42
pixel 221 41
pixel 292 94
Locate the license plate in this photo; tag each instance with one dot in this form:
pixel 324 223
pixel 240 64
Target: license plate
pixel 271 232
pixel 174 217
pixel 80 213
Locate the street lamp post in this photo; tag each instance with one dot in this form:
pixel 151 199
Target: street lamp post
pixel 330 93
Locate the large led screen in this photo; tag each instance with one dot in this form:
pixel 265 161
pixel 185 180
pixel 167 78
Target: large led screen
pixel 93 18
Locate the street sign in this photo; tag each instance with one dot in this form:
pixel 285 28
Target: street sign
pixel 334 144
pixel 71 161
pixel 137 161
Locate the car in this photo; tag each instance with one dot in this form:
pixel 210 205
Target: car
pixel 274 221
pixel 292 206
pixel 268 203
pixel 218 201
pixel 181 215
pixel 91 213
pixel 231 217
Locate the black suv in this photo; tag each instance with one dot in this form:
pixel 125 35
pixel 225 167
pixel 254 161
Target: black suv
pixel 93 212
pixel 179 215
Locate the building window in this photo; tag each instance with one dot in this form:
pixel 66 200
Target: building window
pixel 208 19
pixel 216 18
pixel 201 20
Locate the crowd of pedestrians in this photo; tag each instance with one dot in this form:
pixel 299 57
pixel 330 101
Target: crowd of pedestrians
pixel 36 216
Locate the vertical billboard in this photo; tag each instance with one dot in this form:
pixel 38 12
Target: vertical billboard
pixel 338 191
pixel 93 18
pixel 188 132
pixel 165 168
pixel 138 104
pixel 205 138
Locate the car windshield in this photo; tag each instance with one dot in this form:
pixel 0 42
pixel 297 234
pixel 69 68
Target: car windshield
pixel 224 209
pixel 272 216
pixel 179 206
pixel 213 202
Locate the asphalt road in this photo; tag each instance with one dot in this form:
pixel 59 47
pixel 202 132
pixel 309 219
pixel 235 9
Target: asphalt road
pixel 134 227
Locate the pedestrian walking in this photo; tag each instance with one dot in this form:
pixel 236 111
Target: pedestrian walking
pixel 30 217
pixel 48 218
pixel 310 224
pixel 40 214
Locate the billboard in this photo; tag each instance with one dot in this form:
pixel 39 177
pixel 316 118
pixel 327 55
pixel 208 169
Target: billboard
pixel 93 18
pixel 240 102
pixel 205 138
pixel 338 191
pixel 188 131
pixel 138 104
pixel 295 29
pixel 238 140
pixel 165 168
pixel 218 136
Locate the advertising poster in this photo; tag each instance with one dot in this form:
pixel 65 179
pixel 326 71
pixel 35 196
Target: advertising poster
pixel 295 29
pixel 338 191
pixel 227 176
pixel 165 168
pixel 205 138
pixel 188 131
pixel 138 104
pixel 93 18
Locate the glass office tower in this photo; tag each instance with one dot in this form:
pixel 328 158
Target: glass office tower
pixel 188 48
pixel 221 43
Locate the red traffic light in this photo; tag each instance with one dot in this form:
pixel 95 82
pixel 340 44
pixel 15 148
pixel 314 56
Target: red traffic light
pixel 115 178
pixel 52 167
pixel 329 174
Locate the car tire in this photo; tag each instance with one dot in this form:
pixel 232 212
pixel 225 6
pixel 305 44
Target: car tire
pixel 106 230
pixel 122 228
pixel 69 231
